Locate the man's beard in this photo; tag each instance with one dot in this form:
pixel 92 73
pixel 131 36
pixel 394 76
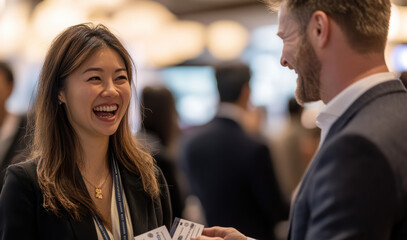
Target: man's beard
pixel 308 68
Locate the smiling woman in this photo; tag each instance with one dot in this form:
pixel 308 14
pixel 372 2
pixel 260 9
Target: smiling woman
pixel 97 94
pixel 86 178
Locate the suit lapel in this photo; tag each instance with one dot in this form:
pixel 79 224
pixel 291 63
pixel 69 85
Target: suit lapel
pixel 372 94
pixel 85 229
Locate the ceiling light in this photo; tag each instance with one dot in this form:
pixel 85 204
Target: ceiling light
pixel 226 39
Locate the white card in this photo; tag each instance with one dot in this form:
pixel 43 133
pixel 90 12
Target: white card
pixel 184 230
pixel 160 233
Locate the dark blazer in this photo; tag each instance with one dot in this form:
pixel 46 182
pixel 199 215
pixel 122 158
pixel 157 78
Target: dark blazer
pixel 356 186
pixel 18 145
pixel 232 174
pixel 22 215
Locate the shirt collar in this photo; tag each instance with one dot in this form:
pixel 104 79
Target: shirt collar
pixel 341 102
pixel 231 111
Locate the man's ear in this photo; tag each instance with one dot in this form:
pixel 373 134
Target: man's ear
pixel 319 29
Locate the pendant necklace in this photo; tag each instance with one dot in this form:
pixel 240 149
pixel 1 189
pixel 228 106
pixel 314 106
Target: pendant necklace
pixel 98 189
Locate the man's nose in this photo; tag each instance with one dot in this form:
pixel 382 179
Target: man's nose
pixel 283 61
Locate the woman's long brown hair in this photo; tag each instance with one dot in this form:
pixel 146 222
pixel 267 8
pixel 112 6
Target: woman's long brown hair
pixel 55 143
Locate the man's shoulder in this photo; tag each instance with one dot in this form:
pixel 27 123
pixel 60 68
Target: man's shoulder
pixel 380 113
pixel 216 126
pixel 384 116
pixel 221 131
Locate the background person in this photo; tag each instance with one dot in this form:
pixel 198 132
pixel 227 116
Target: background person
pixel 86 178
pixel 160 133
pixel 12 126
pixel 229 170
pixel 295 146
pixel 288 156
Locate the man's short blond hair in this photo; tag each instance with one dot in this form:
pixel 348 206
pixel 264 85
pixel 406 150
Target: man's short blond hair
pixel 365 22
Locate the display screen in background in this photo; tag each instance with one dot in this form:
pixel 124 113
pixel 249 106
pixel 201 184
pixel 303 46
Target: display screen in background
pixel 399 57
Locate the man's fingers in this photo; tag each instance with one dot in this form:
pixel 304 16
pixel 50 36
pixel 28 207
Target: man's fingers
pixel 205 238
pixel 215 232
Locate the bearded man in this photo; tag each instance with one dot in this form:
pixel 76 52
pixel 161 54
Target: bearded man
pixel 356 185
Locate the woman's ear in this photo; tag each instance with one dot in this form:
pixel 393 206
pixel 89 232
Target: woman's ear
pixel 61 97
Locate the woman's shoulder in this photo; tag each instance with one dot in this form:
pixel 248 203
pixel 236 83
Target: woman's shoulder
pixel 26 169
pixel 21 181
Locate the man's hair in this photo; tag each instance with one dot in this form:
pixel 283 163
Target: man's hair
pixel 230 79
pixel 8 73
pixel 365 22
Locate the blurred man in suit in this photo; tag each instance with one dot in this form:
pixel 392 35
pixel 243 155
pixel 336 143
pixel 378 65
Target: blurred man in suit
pixel 12 127
pixel 356 185
pixel 229 170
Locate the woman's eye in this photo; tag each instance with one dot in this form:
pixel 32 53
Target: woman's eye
pixel 94 78
pixel 122 78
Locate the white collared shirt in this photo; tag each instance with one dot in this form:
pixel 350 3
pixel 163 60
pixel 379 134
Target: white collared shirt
pixel 231 111
pixel 341 102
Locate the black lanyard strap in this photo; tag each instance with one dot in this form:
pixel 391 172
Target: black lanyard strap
pixel 119 205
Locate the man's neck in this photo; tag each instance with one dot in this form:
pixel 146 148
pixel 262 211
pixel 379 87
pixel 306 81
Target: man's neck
pixel 341 73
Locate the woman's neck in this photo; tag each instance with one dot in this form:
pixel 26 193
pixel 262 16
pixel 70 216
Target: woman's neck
pixel 94 163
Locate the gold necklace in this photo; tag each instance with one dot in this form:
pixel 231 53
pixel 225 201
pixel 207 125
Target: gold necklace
pixel 98 190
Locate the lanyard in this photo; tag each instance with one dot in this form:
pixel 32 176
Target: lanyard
pixel 120 207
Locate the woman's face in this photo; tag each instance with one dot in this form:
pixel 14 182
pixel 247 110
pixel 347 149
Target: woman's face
pixel 97 95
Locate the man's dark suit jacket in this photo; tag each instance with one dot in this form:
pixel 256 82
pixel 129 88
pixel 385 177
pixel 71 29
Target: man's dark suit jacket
pixel 356 186
pixel 18 145
pixel 232 175
pixel 22 215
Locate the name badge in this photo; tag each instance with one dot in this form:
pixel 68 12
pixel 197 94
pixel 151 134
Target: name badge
pixel 181 230
pixel 184 229
pixel 160 233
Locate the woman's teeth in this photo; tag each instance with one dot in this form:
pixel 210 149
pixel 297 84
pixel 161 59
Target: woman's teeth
pixel 105 108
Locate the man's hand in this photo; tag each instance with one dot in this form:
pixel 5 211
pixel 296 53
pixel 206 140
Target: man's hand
pixel 219 233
